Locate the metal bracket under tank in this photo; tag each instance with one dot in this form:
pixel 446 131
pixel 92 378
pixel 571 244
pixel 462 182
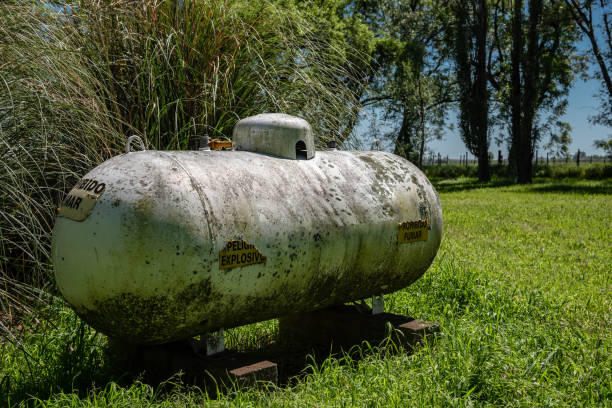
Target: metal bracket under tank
pixel 378 304
pixel 209 343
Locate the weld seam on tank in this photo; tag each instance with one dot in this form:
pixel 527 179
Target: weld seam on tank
pixel 203 199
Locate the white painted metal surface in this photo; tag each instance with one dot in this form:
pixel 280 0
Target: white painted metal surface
pixel 158 258
pixel 276 134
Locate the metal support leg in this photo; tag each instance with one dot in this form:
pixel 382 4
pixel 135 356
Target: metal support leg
pixel 215 343
pixel 378 304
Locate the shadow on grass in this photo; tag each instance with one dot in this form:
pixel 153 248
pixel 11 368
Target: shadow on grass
pixel 539 185
pixel 572 187
pixel 295 353
pixel 79 363
pixel 463 184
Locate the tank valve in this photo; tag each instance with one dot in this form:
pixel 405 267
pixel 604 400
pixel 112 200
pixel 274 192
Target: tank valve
pixel 218 144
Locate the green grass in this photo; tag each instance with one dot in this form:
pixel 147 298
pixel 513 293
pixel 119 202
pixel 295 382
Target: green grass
pixel 521 287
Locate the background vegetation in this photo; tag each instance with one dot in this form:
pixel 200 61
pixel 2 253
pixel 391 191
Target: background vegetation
pixel 505 67
pixel 521 282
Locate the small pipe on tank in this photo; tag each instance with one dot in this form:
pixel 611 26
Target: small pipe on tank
pixel 204 143
pixel 129 141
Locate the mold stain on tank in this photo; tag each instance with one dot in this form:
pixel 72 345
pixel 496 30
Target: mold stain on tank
pixel 423 204
pixel 149 320
pixel 380 170
pixel 387 209
pixel 144 206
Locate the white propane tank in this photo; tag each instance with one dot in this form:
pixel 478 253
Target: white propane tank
pixel 156 246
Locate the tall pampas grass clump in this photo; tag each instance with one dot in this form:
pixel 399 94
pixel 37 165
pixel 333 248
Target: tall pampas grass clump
pixel 77 77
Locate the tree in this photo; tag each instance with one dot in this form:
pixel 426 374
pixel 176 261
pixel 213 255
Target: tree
pixel 413 85
pixel 559 140
pixel 471 29
pixel 605 145
pixel 541 71
pixel 600 38
pixel 399 47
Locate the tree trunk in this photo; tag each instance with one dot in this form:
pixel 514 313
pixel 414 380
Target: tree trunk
pixel 584 19
pixel 422 123
pixel 531 73
pixel 471 34
pixel 484 173
pixel 403 144
pixel 600 61
pixel 582 14
pixel 515 98
pixel 481 97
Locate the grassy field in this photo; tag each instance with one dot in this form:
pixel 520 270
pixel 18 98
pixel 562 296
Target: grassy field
pixel 521 287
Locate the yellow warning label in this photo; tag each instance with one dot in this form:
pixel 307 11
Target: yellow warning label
pixel 81 200
pixel 239 253
pixel 413 231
